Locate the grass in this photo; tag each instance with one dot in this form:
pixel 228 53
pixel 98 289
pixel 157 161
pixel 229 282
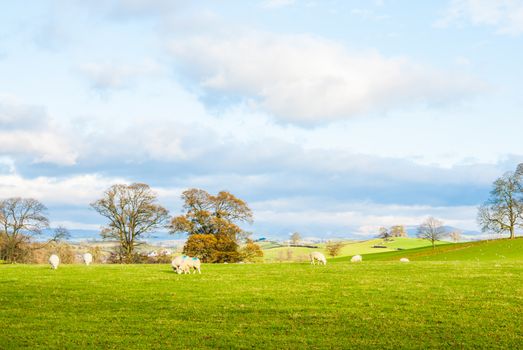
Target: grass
pixel 375 304
pixel 272 251
pixel 493 250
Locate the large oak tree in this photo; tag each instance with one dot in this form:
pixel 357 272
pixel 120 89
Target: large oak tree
pixel 133 212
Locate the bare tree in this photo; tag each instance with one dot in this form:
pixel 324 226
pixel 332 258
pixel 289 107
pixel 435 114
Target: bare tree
pixel 455 236
pixel 333 247
pixel 20 220
pixel 133 212
pixel 432 229
pixel 384 233
pixel 503 211
pixel 295 238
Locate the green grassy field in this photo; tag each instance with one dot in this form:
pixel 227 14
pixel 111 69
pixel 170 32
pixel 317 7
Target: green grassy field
pixel 493 250
pixel 273 253
pixel 374 304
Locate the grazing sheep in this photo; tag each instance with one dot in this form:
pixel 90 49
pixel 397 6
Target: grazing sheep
pixel 191 263
pixel 177 263
pixel 54 260
pixel 88 258
pixel 319 257
pixel 356 258
pixel 404 260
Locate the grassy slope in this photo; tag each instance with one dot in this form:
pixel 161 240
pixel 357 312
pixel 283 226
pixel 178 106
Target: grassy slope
pixel 341 305
pixel 494 250
pixel 351 248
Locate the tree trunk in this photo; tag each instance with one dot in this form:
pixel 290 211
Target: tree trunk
pixel 512 232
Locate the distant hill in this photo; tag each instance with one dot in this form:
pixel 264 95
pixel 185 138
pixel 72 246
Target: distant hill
pixel 79 235
pixel 274 251
pixel 491 250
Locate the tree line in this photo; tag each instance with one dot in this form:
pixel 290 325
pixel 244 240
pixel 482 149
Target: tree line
pixel 132 212
pixel 212 221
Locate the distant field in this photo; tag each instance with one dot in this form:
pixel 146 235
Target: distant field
pixel 374 304
pixel 274 252
pixel 493 250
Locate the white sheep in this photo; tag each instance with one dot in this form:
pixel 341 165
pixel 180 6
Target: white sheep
pixel 404 260
pixel 191 263
pixel 54 260
pixel 88 258
pixel 177 263
pixel 319 257
pixel 184 264
pixel 356 258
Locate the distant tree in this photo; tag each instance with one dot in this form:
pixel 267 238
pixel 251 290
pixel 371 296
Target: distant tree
pixel 133 212
pixel 384 233
pixel 251 251
pixel 295 238
pixel 432 229
pixel 217 215
pixel 503 211
pixel 398 231
pixel 333 247
pixel 455 236
pixel 20 220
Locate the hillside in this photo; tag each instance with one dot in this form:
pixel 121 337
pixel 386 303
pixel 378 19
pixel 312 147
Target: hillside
pixel 493 250
pixel 275 252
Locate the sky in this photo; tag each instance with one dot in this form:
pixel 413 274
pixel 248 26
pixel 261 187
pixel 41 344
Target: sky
pixel 330 118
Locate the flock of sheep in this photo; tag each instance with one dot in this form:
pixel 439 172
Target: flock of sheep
pixel 185 264
pixel 181 264
pixel 54 260
pixel 317 257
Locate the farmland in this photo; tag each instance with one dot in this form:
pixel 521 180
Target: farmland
pixel 430 303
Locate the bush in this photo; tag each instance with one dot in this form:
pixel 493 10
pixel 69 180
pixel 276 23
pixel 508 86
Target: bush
pixel 212 248
pixel 333 248
pixel 251 252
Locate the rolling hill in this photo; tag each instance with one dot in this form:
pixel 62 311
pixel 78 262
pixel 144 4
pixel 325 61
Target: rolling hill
pixel 492 250
pixel 274 252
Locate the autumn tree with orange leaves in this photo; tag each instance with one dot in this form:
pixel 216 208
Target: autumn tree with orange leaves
pixel 214 215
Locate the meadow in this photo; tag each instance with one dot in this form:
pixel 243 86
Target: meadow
pixel 375 304
pixel 275 252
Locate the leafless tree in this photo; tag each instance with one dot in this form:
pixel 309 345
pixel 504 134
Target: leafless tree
pixel 20 220
pixel 133 212
pixel 503 211
pixel 295 238
pixel 432 229
pixel 384 233
pixel 455 235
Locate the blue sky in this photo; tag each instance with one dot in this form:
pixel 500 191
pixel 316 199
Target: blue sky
pixel 330 118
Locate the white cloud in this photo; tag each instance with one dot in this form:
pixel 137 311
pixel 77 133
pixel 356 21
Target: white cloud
pixel 74 190
pixel 307 79
pixel 105 76
pixel 505 15
pixel 277 3
pixel 29 131
pixel 358 218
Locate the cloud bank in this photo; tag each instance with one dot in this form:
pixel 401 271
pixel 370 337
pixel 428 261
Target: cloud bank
pixel 307 79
